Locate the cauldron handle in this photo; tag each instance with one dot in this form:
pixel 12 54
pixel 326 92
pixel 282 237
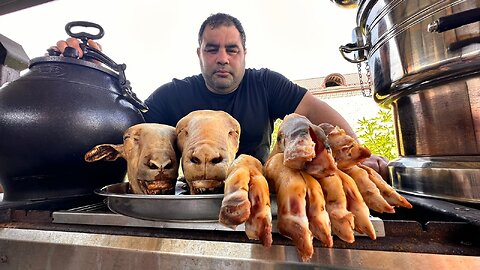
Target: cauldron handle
pixel 90 53
pixel 84 36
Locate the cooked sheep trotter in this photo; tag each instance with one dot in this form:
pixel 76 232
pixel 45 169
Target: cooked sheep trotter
pixel 246 198
pixel 235 208
pixel 390 195
pixel 336 203
pixel 304 146
pixel 324 164
pixel 259 224
pixel 290 188
pixel 151 155
pixel 346 151
pixel 357 206
pixel 378 195
pixel 368 189
pixel 208 141
pixel 319 222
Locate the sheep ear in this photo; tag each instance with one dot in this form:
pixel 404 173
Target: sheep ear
pixel 108 152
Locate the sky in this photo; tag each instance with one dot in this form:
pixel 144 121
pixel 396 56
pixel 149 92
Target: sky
pixel 157 40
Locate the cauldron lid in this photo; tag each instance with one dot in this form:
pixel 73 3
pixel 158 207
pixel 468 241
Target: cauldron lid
pixel 73 61
pixel 90 53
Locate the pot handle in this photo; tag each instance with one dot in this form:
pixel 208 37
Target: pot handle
pixel 84 36
pixel 457 45
pixel 453 21
pixel 358 46
pixel 90 53
pixel 353 47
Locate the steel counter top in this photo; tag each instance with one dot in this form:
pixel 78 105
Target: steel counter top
pixel 43 249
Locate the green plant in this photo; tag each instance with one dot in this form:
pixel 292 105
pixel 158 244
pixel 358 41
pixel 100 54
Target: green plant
pixel 274 133
pixel 378 134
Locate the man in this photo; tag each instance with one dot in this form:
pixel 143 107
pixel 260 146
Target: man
pixel 255 97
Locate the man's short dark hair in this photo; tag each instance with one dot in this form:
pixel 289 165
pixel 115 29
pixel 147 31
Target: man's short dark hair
pixel 219 19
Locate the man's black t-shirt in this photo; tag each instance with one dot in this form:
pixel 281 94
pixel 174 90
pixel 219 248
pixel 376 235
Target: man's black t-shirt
pixel 262 97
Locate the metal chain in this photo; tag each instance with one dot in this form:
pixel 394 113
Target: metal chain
pixel 369 79
pixel 368 91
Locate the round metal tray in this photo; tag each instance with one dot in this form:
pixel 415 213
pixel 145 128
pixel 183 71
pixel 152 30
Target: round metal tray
pixel 178 207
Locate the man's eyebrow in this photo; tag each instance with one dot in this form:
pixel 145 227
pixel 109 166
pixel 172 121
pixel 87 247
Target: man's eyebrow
pixel 232 46
pixel 212 45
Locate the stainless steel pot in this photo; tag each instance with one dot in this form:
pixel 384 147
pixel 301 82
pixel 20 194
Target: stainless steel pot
pixel 430 79
pixel 441 119
pixel 403 46
pixel 453 178
pixel 424 59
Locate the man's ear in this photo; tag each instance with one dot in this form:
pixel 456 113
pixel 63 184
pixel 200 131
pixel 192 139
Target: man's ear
pixel 198 51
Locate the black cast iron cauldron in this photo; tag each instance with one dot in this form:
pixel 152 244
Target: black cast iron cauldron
pixel 52 115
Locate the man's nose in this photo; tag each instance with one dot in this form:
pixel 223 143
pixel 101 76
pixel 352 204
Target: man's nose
pixel 223 57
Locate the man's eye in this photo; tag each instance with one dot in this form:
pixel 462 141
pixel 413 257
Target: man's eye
pixel 233 51
pixel 211 50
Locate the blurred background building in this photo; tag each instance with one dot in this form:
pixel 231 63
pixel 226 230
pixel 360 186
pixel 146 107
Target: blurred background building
pixel 345 93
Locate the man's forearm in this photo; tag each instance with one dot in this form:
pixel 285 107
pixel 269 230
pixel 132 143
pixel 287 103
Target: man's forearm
pixel 318 112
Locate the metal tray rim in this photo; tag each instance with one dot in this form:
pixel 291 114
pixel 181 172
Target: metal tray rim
pixel 106 192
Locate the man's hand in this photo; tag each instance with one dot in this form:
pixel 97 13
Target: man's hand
pixel 74 43
pixel 379 164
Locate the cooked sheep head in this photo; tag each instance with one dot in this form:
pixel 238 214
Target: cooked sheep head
pixel 151 155
pixel 208 141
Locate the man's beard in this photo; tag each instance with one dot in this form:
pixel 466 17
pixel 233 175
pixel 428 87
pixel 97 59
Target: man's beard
pixel 221 85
